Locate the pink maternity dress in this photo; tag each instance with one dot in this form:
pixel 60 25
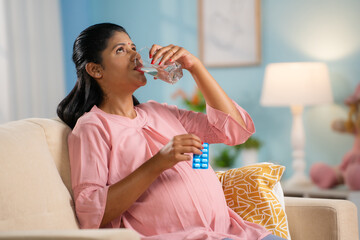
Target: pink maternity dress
pixel 182 203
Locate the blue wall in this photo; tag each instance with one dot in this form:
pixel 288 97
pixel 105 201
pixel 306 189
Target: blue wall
pixel 300 30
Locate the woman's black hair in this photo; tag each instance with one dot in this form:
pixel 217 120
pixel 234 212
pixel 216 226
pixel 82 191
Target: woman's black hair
pixel 86 93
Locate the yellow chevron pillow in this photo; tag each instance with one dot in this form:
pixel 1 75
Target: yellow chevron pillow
pixel 249 191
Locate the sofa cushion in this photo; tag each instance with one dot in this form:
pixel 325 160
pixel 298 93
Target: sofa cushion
pixel 33 195
pixel 56 133
pixel 251 192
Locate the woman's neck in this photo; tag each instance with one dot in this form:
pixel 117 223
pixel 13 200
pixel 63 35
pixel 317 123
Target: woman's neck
pixel 122 106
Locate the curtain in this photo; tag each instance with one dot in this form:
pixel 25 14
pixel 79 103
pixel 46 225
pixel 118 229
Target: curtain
pixel 4 68
pixel 34 55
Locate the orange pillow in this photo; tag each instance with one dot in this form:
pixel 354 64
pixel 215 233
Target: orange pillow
pixel 249 191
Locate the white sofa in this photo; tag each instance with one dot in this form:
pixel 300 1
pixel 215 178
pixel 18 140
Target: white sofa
pixel 36 197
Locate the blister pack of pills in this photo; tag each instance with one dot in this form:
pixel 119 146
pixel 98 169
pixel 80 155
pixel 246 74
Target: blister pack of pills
pixel 202 161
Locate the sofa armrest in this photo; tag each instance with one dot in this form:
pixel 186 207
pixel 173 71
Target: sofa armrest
pixel 312 218
pixel 88 234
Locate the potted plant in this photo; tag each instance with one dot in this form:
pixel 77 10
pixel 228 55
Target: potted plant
pixel 249 151
pixel 195 102
pixel 225 158
pixel 245 154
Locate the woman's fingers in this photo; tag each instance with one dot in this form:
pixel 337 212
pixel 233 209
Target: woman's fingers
pixel 172 53
pixel 154 48
pixel 187 137
pixel 178 149
pixel 176 53
pixel 160 52
pixel 182 157
pixel 187 143
pixel 189 149
pixel 189 146
pixel 154 52
pixel 169 53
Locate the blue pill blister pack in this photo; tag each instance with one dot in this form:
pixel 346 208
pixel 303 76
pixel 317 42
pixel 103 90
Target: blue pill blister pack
pixel 202 161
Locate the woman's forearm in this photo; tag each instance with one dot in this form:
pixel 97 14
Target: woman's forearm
pixel 124 193
pixel 214 95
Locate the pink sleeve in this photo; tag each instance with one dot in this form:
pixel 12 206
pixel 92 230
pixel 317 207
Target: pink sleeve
pixel 89 173
pixel 217 126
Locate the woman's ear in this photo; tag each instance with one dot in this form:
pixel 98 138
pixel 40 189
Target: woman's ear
pixel 94 70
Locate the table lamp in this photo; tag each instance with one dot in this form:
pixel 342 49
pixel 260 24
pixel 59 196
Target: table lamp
pixel 296 85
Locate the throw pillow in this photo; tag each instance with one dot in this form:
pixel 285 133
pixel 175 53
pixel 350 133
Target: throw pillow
pixel 250 191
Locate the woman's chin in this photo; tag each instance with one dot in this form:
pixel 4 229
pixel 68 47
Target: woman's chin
pixel 143 80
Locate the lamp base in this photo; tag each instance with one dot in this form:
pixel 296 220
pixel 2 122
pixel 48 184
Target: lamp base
pixel 297 181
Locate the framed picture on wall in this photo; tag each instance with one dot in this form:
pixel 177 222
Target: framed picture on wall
pixel 229 32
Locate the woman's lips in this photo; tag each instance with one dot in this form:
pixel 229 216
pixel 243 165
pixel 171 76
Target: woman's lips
pixel 138 67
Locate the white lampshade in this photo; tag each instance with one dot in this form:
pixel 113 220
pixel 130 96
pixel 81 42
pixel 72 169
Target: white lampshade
pixel 298 83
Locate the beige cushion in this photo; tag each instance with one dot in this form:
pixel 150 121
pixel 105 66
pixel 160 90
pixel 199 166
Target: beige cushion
pixel 84 234
pixel 33 195
pixel 322 219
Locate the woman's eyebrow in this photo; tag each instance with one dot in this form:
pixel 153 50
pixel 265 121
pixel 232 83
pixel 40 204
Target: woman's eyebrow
pixel 123 44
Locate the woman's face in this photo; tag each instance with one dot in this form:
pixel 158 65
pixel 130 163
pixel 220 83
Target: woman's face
pixel 118 66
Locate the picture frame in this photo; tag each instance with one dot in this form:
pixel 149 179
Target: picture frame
pixel 229 32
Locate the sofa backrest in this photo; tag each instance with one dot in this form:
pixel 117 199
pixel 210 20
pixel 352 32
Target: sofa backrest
pixel 35 187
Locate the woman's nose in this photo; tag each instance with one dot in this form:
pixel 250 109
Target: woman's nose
pixel 135 57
